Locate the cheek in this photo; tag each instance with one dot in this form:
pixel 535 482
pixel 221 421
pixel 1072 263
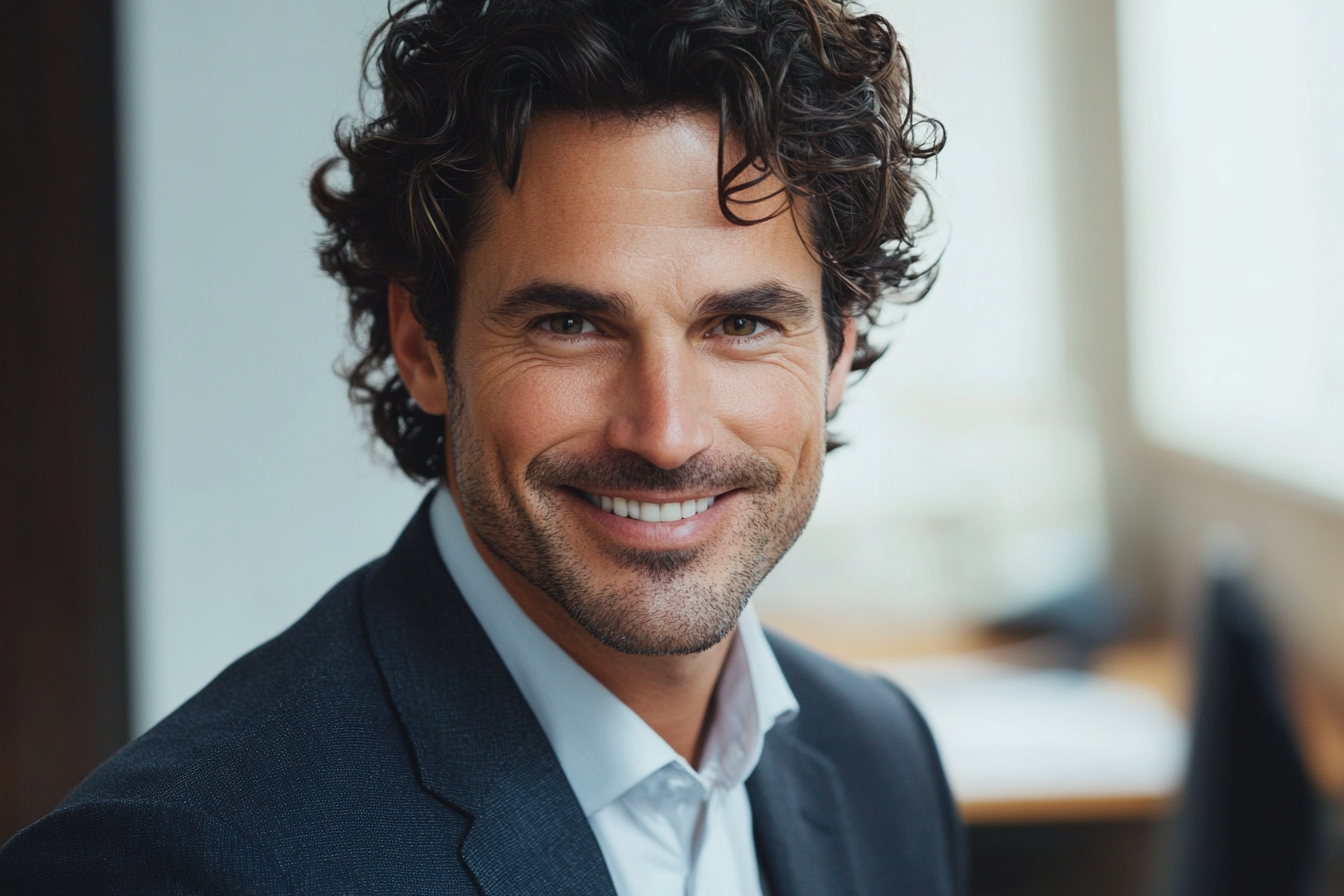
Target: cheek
pixel 774 408
pixel 520 410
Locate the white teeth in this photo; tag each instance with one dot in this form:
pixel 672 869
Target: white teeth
pixel 650 513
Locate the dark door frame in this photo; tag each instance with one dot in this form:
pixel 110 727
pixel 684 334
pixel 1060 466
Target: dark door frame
pixel 63 706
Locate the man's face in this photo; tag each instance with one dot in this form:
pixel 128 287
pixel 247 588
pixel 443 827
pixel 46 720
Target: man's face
pixel 623 349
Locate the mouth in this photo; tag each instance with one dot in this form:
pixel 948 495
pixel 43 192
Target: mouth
pixel 648 511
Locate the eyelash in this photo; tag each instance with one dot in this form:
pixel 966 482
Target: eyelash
pixel 589 328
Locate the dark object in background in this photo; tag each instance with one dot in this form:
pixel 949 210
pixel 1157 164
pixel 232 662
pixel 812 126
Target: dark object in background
pixel 1074 624
pixel 62 636
pixel 1249 821
pixel 1098 858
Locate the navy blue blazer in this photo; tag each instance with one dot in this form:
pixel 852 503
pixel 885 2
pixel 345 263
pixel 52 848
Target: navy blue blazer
pixel 379 746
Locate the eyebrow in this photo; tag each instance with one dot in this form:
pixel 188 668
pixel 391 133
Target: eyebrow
pixel 770 299
pixel 539 298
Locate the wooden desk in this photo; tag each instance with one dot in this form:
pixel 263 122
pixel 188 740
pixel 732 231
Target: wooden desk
pixel 1161 668
pixel 1320 727
pixel 1165 666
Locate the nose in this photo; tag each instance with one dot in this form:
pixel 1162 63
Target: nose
pixel 662 413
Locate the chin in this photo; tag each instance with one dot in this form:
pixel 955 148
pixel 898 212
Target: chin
pixel 663 606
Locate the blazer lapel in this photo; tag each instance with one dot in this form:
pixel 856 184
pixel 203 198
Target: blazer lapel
pixel 475 742
pixel 800 821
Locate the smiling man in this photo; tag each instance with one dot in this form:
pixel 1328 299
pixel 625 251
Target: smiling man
pixel 609 266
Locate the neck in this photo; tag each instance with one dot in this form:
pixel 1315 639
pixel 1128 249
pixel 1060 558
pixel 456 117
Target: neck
pixel 672 694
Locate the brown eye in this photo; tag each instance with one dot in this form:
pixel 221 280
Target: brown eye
pixel 569 324
pixel 740 325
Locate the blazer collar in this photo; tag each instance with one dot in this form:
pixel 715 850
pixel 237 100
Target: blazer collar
pixel 474 740
pixel 803 842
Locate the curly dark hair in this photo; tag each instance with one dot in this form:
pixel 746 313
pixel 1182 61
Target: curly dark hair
pixel 815 94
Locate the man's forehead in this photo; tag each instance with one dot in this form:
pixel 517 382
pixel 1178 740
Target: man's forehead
pixel 622 206
pixel 577 166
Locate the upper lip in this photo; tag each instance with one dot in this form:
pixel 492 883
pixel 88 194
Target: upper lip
pixel 651 497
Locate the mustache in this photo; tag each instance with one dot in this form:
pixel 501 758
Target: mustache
pixel 613 470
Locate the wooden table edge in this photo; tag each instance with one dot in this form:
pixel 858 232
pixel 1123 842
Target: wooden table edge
pixel 1054 810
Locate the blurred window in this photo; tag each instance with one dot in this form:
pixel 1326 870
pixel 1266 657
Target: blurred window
pixel 1234 167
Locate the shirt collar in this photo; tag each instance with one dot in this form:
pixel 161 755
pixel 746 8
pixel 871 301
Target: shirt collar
pixel 603 746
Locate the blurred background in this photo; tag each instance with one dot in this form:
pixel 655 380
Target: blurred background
pixel 1092 510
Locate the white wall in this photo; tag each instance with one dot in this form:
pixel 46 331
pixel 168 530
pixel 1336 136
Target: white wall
pixel 973 483
pixel 251 486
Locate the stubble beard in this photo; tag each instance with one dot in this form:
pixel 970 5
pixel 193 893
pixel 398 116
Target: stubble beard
pixel 671 602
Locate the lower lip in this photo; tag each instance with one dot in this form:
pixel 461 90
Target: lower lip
pixel 668 536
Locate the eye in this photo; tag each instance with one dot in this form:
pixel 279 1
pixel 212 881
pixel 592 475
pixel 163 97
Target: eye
pixel 740 325
pixel 569 324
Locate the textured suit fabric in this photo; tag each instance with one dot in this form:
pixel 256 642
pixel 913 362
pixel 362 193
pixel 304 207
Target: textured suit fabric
pixel 380 746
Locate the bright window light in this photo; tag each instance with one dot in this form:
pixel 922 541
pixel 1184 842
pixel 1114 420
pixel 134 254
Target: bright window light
pixel 1234 142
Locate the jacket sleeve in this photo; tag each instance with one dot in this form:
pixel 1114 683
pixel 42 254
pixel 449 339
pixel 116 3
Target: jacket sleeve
pixel 136 846
pixel 955 831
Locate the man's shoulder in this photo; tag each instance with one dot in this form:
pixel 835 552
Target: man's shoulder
pixel 297 730
pixel 845 710
pixel 292 753
pixel 254 717
pixel 901 818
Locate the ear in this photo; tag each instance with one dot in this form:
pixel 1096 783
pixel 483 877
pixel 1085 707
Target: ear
pixel 418 361
pixel 835 389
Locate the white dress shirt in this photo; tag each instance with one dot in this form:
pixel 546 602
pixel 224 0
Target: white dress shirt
pixel 665 828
